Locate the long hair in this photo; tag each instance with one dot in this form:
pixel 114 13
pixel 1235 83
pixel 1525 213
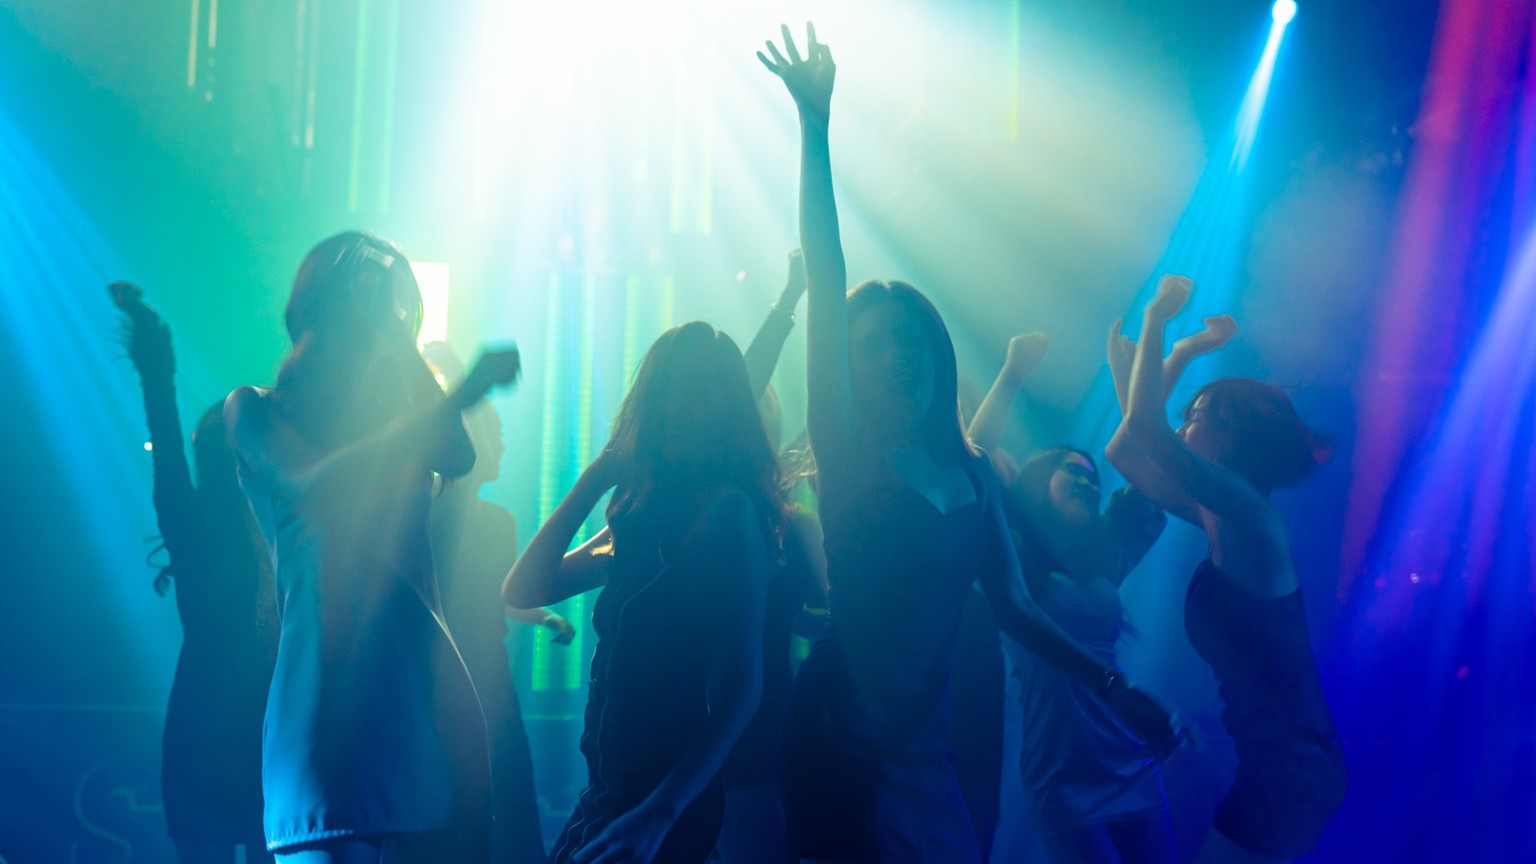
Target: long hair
pixel 694 371
pixel 1270 445
pixel 336 382
pixel 942 430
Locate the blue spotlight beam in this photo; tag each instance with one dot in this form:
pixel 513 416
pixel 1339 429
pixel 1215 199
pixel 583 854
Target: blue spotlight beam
pixel 1208 241
pixel 85 444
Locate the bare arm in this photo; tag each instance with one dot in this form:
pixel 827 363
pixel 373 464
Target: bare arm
pixel 546 573
pixel 763 354
pixel 1136 466
pixel 1186 477
pixel 810 81
pixel 1024 353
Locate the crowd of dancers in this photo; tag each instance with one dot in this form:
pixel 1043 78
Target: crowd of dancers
pixel 343 693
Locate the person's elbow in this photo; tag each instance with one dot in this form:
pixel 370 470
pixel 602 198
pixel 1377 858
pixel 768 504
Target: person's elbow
pixel 515 593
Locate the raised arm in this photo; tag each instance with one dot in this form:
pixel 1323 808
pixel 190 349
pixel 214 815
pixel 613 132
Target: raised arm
pixel 277 456
pixel 737 568
pixel 1219 330
pixel 1024 353
pixel 1182 477
pixel 149 348
pixel 763 354
pixel 809 80
pixel 546 573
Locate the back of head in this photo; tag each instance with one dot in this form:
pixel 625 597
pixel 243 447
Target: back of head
pixel 353 316
pixel 1267 441
pixel 942 430
pixel 689 421
pixel 350 283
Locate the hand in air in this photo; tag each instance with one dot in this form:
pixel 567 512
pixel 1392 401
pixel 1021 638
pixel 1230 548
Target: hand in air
pixel 1219 330
pixel 1172 295
pixel 1024 353
pixel 633 838
pixel 794 282
pixel 495 368
pixel 1121 351
pixel 810 78
pixel 148 339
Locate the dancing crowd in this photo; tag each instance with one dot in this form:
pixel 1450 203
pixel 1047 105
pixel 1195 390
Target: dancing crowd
pixel 343 692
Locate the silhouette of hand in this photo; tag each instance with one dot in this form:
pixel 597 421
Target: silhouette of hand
pixel 809 79
pixel 794 282
pixel 148 339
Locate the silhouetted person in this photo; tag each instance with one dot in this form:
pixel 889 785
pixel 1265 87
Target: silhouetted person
pixel 694 527
pixel 1243 613
pixel 365 745
pixel 211 756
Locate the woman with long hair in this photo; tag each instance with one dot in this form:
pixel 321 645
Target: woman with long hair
pixel 694 526
pixel 912 515
pixel 361 747
pixel 211 759
pixel 1241 439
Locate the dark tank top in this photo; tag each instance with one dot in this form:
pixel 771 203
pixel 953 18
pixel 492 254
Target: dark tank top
pixel 899 571
pixel 1262 656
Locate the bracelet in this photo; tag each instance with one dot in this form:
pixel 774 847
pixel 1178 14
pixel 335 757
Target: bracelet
pixel 776 309
pixel 1110 680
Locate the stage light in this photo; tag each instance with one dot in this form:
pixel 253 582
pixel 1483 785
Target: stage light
pixel 1283 11
pixel 432 278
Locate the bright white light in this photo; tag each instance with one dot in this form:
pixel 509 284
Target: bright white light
pixel 1283 11
pixel 148 446
pixel 432 276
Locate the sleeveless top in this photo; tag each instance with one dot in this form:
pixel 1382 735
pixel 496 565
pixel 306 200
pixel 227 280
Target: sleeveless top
pixel 1261 654
pixel 1080 764
pixel 365 731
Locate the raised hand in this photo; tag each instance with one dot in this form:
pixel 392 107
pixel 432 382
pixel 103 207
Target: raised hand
pixel 495 368
pixel 794 281
pixel 148 339
pixel 1219 330
pixel 1024 353
pixel 1121 351
pixel 809 79
pixel 1172 295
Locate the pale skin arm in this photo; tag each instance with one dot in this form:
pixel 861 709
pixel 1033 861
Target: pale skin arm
pixel 637 835
pixel 546 573
pixel 277 456
pixel 1184 476
pixel 1024 354
pixel 810 81
pixel 1219 330
pixel 763 354
pixel 1137 466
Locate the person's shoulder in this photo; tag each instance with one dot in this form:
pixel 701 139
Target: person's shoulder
pixel 246 401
